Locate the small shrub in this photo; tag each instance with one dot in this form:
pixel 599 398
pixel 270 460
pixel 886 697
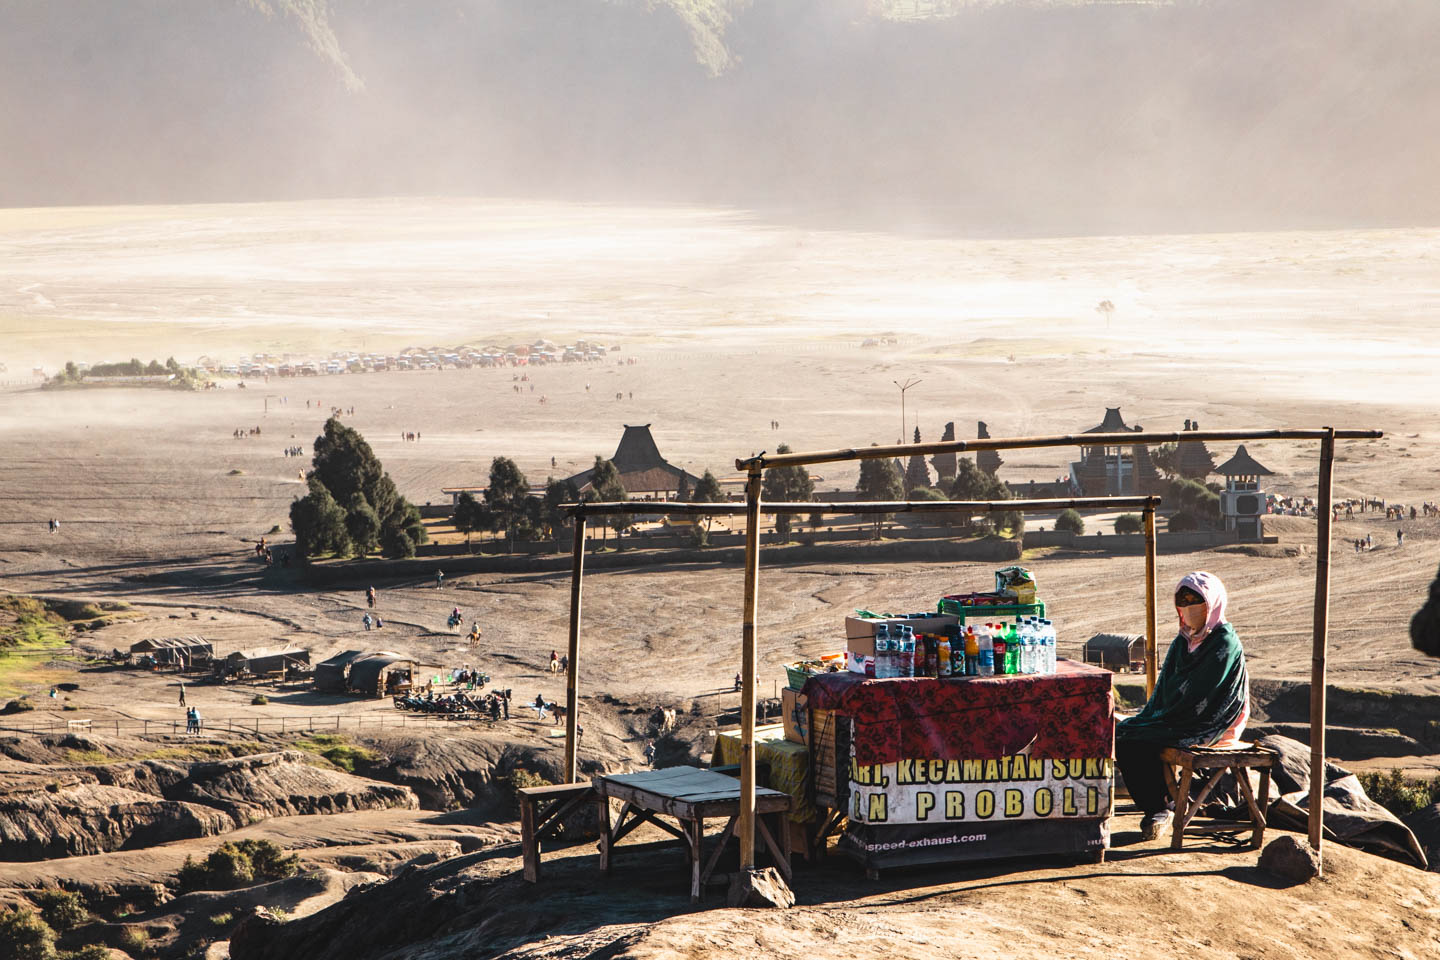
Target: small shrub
pixel 1398 793
pixel 1182 522
pixel 259 700
pixel 279 913
pixel 19 705
pixel 273 530
pixel 91 951
pixel 699 537
pixel 1129 523
pixel 520 779
pixel 24 936
pixel 68 706
pixel 237 472
pixel 62 909
pixel 133 940
pixel 1070 521
pixel 222 920
pixel 238 864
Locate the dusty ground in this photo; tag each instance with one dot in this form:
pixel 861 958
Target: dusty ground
pixel 733 324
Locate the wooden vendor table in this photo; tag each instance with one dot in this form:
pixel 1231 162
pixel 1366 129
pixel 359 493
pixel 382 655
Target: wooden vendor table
pixel 691 796
pixel 939 770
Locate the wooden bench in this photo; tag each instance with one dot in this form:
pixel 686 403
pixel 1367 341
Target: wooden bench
pixel 542 809
pixel 1180 765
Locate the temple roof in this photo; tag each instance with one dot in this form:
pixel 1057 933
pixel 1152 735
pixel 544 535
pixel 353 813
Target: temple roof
pixel 1242 465
pixel 1113 423
pixel 637 459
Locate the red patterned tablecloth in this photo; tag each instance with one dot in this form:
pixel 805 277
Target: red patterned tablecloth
pixel 1065 715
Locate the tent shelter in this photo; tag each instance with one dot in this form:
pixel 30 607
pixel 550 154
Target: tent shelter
pixel 263 661
pixel 333 675
pixel 381 674
pixel 180 651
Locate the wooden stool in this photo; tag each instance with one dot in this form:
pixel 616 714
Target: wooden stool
pixel 1237 760
pixel 542 809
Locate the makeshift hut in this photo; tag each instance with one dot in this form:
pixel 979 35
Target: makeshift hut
pixel 381 674
pixel 333 675
pixel 174 651
pixel 1119 652
pixel 267 661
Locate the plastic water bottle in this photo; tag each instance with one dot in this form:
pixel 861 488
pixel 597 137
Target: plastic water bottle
pixel 907 651
pixel 1034 648
pixel 987 652
pixel 1026 638
pixel 882 650
pixel 1047 637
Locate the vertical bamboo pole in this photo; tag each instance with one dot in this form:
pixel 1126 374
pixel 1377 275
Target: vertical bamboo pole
pixel 1151 627
pixel 1317 656
pixel 572 670
pixel 745 827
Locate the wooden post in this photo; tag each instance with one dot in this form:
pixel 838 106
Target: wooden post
pixel 572 670
pixel 1317 656
pixel 746 825
pixel 1151 627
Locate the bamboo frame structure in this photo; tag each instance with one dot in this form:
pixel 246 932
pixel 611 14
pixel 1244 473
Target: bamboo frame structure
pixel 755 467
pixel 1327 437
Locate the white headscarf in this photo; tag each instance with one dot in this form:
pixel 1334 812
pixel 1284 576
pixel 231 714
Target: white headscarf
pixel 1208 586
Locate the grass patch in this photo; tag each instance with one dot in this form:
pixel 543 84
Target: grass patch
pixel 29 631
pixel 238 864
pixel 222 920
pixel 1400 794
pixel 336 750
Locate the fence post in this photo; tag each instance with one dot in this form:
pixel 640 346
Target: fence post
pixel 282 724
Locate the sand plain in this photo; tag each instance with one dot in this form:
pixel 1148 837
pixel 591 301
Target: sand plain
pixel 732 323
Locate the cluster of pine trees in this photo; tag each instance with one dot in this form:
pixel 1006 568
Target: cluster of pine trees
pixel 353 507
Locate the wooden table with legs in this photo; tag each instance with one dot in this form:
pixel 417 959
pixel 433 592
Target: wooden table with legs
pixel 690 796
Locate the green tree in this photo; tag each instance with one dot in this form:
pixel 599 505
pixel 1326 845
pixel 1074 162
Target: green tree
pixel 1071 521
pixel 972 483
pixel 880 480
pixel 607 488
pixel 319 524
pixel 347 469
pixel 1129 523
pixel 469 516
pixel 707 490
pixel 787 485
pixel 363 526
pixel 505 497
pixel 682 489
pixel 557 492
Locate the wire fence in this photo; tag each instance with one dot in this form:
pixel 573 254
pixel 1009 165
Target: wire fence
pixel 357 723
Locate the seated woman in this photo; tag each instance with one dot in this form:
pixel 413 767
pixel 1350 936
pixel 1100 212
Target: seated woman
pixel 1201 698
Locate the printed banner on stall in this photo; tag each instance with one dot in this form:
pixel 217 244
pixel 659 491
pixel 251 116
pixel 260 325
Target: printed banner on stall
pixel 979 791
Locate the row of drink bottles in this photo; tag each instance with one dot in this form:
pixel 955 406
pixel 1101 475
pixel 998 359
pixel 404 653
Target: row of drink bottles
pixel 981 650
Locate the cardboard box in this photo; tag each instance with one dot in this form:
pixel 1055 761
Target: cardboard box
pixel 795 714
pixel 858 628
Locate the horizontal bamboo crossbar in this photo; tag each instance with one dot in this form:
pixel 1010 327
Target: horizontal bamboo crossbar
pixel 1147 438
pixel 865 507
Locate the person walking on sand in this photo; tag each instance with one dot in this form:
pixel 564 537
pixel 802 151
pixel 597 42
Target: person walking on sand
pixel 370 597
pixel 439 579
pixel 539 706
pixel 367 621
pixel 182 694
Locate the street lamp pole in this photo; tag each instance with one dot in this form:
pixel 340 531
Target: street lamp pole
pixel 903 387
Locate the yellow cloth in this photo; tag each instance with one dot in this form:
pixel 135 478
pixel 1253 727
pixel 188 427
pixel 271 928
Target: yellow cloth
pixel 789 764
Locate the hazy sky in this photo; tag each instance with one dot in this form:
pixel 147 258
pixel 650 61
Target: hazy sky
pixel 1005 116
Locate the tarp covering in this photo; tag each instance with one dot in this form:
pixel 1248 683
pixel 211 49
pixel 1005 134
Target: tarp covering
pixel 1061 716
pixel 789 764
pixel 365 673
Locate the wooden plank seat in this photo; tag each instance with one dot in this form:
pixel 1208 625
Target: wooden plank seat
pixel 1181 765
pixel 542 810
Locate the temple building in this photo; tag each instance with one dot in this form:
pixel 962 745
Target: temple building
pixel 643 472
pixel 1110 471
